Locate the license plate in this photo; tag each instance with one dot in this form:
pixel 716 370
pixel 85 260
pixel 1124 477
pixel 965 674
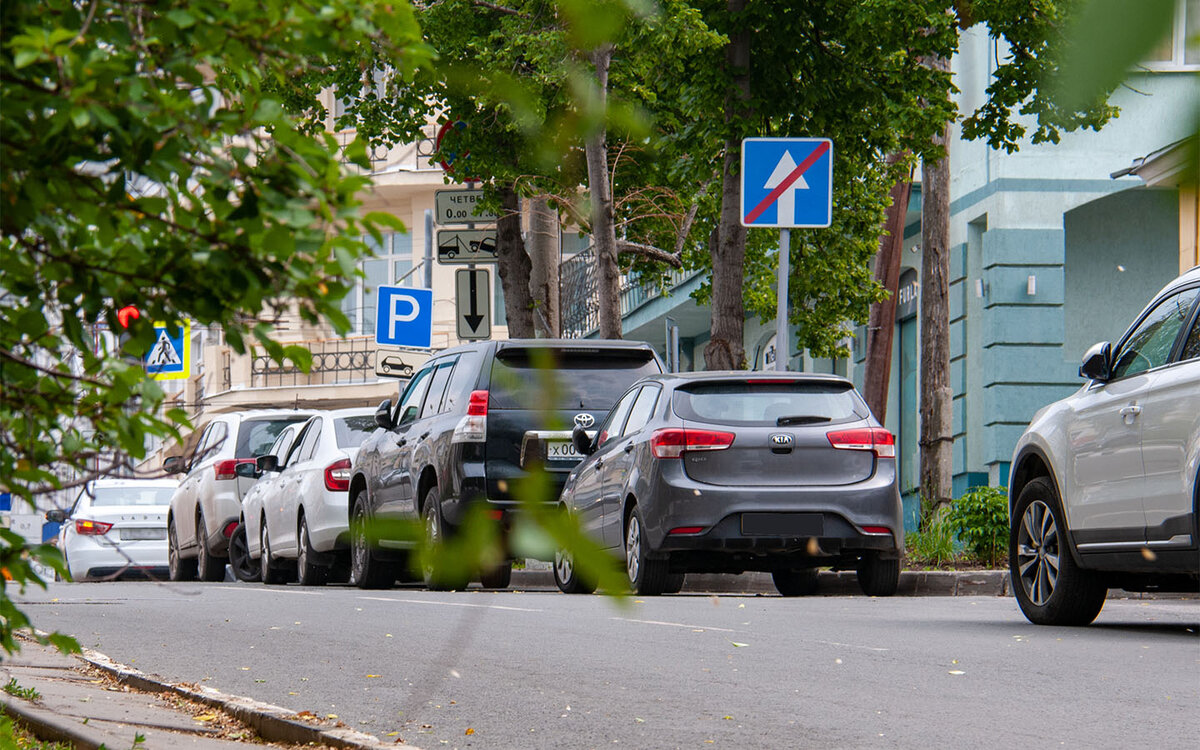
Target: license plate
pixel 143 534
pixel 783 524
pixel 561 450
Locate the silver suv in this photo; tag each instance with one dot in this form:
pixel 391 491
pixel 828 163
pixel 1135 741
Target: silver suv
pixel 208 503
pixel 1103 492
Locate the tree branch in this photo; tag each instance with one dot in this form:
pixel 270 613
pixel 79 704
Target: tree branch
pixel 649 251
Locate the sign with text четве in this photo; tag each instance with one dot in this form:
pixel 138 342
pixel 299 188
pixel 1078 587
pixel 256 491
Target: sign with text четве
pixel 459 207
pixel 787 182
pixel 404 316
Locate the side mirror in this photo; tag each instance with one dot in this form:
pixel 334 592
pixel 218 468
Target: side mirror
pixel 582 441
pixel 173 465
pixel 269 462
pixel 383 415
pixel 247 470
pixel 56 516
pixel 1097 362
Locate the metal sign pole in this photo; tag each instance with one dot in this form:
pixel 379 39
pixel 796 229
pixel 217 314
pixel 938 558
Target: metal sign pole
pixel 782 341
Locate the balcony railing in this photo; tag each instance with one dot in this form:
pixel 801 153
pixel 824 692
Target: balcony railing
pixel 578 296
pixel 334 362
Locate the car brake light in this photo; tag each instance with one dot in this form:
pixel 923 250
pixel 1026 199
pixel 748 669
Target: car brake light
pixel 337 476
pixel 478 404
pixel 227 468
pixel 473 427
pixel 673 441
pixel 91 528
pixel 876 439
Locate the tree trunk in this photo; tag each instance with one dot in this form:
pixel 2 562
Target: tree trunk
pixel 881 322
pixel 514 267
pixel 604 234
pixel 937 397
pixel 726 348
pixel 545 255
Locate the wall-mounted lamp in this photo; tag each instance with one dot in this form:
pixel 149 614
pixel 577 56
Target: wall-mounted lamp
pixel 1031 286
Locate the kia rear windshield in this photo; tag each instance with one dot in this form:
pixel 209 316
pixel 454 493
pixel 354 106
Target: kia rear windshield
pixel 110 496
pixel 351 431
pixel 546 379
pixel 256 436
pixel 768 404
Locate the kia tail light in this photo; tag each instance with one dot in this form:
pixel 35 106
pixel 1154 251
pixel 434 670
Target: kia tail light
pixel 673 441
pixel 876 439
pixel 227 468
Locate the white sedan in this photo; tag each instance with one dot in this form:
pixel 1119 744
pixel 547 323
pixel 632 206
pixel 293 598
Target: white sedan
pixel 116 527
pixel 296 517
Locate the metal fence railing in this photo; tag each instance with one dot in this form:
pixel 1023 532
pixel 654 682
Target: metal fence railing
pixel 578 296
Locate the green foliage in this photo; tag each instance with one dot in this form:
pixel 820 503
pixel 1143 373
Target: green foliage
pixel 932 543
pixel 149 160
pixel 16 570
pixel 980 519
pixel 14 735
pixel 27 693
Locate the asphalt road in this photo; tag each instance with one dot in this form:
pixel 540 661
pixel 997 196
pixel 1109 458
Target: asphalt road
pixel 545 670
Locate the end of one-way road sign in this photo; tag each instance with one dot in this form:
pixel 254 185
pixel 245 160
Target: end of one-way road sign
pixel 473 303
pixel 787 182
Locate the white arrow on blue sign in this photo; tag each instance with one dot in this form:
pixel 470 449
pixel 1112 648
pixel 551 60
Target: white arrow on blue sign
pixel 404 317
pixel 787 182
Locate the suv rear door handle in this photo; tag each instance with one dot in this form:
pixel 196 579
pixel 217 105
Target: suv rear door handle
pixel 1129 413
pixel 425 435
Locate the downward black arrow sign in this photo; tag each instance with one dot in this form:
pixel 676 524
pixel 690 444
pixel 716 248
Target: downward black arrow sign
pixel 473 318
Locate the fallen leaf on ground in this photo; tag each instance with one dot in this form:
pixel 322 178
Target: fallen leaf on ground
pixel 469 731
pixel 957 671
pixel 206 717
pixel 738 645
pixel 373 676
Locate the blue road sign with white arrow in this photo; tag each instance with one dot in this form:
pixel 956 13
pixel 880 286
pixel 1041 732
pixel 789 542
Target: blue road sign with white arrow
pixel 404 316
pixel 787 182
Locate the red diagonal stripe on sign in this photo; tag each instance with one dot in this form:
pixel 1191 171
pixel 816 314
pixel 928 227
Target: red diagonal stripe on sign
pixel 800 169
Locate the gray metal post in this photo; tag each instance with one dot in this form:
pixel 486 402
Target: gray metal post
pixel 782 341
pixel 428 249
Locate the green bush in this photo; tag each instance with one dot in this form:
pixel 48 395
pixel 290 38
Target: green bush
pixel 980 520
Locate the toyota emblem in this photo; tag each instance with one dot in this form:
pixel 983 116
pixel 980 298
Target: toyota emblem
pixel 584 420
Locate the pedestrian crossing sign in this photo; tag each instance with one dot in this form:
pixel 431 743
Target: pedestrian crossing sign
pixel 168 358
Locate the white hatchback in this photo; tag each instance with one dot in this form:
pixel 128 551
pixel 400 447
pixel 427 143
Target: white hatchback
pixel 296 517
pixel 116 527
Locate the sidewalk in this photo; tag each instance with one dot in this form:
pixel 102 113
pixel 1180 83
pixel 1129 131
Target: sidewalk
pixel 91 702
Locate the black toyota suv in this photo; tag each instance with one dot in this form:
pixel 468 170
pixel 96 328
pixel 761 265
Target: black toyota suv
pixel 471 422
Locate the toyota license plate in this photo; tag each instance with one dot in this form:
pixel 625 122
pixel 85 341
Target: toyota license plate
pixel 131 535
pixel 561 450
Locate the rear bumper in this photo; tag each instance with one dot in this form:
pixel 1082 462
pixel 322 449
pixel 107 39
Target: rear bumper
pixel 806 526
pixel 89 559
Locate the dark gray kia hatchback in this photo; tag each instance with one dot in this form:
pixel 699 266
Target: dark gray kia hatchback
pixel 734 471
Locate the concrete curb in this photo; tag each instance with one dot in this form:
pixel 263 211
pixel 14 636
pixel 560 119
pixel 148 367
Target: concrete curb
pixel 272 723
pixel 47 725
pixel 830 583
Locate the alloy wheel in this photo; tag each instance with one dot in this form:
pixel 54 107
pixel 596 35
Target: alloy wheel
pixel 358 543
pixel 564 565
pixel 1038 552
pixel 633 548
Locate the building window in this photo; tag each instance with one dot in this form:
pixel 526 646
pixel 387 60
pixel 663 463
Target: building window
pixel 392 264
pixel 1180 50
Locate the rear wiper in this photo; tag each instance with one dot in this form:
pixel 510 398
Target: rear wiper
pixel 802 419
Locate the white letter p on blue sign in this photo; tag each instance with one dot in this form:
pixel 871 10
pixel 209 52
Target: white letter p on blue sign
pixel 404 317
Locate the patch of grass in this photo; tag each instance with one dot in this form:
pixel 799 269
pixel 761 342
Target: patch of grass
pixel 932 545
pixel 29 694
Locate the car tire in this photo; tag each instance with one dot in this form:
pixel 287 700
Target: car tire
pixel 674 583
pixel 796 582
pixel 366 570
pixel 566 575
pixel 1050 588
pixel 178 567
pixel 647 576
pixel 435 535
pixel 498 576
pixel 308 571
pixel 269 568
pixel 878 576
pixel 209 567
pixel 240 561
